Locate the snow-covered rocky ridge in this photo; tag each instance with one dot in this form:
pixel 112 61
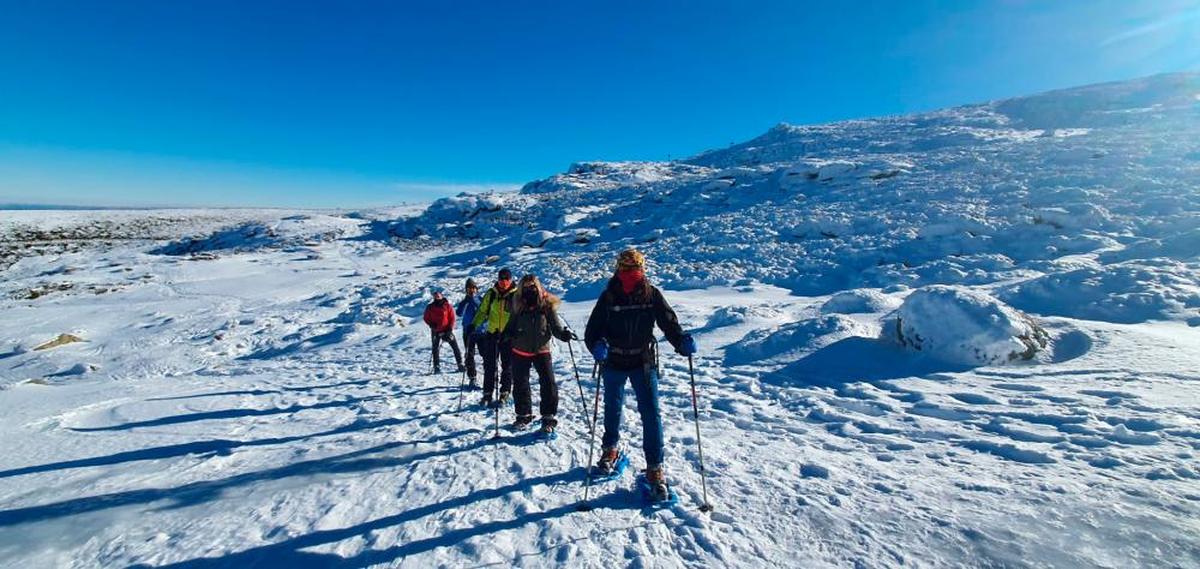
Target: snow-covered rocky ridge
pixel 964 338
pixel 1097 179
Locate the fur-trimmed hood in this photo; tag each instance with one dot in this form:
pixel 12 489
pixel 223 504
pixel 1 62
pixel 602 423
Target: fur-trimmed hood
pixel 545 298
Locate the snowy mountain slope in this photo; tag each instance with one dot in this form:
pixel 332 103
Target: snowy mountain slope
pixel 972 195
pixel 256 393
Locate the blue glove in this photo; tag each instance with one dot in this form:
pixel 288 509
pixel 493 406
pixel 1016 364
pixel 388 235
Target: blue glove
pixel 687 346
pixel 600 351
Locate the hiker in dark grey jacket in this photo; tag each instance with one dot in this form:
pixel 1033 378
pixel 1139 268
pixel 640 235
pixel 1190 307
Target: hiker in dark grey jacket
pixel 533 322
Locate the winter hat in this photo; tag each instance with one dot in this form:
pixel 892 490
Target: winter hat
pixel 471 284
pixel 631 259
pixel 505 274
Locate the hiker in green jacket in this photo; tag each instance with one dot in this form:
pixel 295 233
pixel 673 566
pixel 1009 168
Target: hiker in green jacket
pixel 489 322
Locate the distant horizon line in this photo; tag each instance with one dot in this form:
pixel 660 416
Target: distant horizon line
pixel 62 207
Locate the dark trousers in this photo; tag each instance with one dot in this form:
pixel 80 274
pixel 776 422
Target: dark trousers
pixel 548 392
pixel 492 349
pixel 438 338
pixel 469 345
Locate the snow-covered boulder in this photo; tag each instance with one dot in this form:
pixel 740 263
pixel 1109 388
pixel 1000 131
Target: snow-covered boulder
pixel 734 315
pixel 963 326
pixel 791 341
pixel 537 238
pixel 858 301
pixel 1076 217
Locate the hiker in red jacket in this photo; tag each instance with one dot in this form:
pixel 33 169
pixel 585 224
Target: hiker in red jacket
pixel 439 315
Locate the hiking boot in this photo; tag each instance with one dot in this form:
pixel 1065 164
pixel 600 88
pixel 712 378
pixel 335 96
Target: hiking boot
pixel 546 430
pixel 608 461
pixel 461 368
pixel 486 402
pixel 437 370
pixel 474 384
pixel 504 395
pixel 522 422
pixel 657 481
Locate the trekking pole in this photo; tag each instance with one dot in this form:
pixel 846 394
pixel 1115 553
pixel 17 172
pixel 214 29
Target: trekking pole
pixel 699 447
pixel 582 397
pixel 584 506
pixel 462 386
pixel 496 402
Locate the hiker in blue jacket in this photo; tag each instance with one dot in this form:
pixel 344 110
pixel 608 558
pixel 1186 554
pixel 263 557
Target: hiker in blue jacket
pixel 465 309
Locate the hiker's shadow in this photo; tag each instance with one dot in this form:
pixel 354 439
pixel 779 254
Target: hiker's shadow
pixel 276 391
pixel 289 553
pixel 219 447
pixel 226 414
pixel 365 460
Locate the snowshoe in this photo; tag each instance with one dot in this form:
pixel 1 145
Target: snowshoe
pixel 546 433
pixel 522 422
pixel 611 466
pixel 656 493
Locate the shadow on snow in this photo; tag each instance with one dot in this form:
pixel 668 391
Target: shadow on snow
pixel 199 492
pixel 288 553
pixel 216 446
pixel 279 390
pixel 225 414
pixel 857 359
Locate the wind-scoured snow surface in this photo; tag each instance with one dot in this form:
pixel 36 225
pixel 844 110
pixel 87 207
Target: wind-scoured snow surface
pixel 963 338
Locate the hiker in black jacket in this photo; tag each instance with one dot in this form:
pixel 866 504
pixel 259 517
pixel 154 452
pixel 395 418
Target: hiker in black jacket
pixel 620 335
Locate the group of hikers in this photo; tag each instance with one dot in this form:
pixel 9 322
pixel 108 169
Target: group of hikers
pixel 512 326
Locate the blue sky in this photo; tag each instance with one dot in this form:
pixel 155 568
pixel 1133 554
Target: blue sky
pixel 352 104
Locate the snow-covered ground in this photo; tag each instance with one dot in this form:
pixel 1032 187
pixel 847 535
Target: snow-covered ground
pixel 965 338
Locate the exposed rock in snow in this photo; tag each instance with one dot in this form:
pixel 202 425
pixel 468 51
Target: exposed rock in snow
pixel 295 232
pixel 967 327
pixel 610 175
pixel 78 369
pixel 60 340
